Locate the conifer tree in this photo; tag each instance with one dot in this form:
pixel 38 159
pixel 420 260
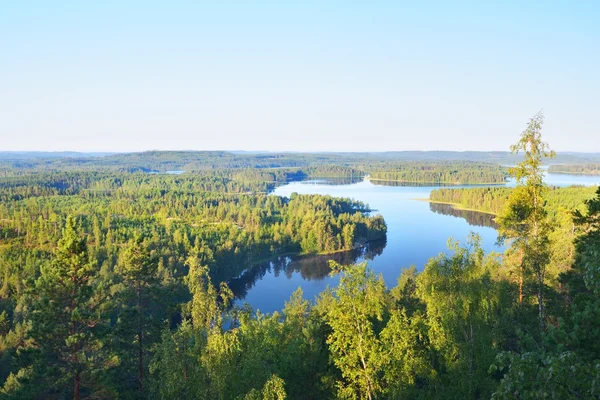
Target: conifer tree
pixel 65 313
pixel 137 299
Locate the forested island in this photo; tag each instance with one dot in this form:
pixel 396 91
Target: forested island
pixel 586 169
pixel 113 285
pixel 442 172
pixel 493 199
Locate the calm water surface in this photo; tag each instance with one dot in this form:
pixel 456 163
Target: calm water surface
pixel 417 231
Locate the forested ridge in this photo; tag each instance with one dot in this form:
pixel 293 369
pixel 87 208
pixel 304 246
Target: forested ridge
pixel 205 160
pixel 113 286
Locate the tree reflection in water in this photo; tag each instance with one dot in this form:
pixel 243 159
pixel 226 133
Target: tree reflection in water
pixel 473 218
pixel 332 181
pixel 310 267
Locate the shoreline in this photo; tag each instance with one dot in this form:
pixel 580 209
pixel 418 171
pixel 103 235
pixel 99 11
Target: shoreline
pixel 575 173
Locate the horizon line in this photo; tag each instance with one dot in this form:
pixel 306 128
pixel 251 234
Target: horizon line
pixel 111 152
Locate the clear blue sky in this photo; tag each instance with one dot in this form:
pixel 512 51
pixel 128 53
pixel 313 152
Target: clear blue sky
pixel 297 75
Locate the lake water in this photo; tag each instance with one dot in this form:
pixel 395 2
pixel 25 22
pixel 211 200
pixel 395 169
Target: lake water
pixel 417 231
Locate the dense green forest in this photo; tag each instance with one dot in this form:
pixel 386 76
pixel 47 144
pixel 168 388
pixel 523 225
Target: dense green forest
pixel 131 236
pixel 442 172
pixel 113 286
pixel 586 169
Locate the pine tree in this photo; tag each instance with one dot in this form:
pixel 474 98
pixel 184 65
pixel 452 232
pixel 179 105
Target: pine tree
pixel 65 313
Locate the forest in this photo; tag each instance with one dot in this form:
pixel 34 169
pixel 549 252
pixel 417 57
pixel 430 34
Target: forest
pixel 140 229
pixel 113 285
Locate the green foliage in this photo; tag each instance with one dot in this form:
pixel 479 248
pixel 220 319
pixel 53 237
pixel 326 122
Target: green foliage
pixel 273 390
pixel 568 367
pixel 463 307
pixel 405 354
pixel 588 246
pixel 553 376
pixel 524 219
pixel 176 371
pixel 356 309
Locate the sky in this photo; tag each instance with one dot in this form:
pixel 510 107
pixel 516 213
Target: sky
pixel 297 75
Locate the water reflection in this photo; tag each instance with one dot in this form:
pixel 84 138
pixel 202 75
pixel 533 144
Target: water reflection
pixel 473 218
pixel 429 185
pixel 271 187
pixel 309 267
pixel 349 180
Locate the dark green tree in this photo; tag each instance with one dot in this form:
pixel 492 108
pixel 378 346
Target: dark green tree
pixel 588 245
pixel 138 299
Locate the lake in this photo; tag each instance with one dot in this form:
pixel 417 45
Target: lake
pixel 417 231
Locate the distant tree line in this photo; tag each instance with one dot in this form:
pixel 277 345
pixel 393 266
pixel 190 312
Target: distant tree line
pixel 586 169
pixel 414 167
pixel 162 161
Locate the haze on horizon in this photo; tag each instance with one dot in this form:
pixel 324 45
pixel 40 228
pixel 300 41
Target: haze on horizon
pixel 310 76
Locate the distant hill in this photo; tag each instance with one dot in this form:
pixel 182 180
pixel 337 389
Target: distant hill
pixel 28 155
pixel 205 160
